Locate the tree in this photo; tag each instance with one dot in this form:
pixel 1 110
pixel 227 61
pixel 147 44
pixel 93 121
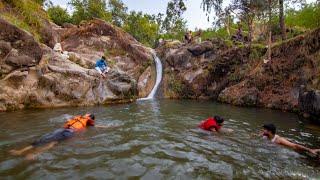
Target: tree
pixel 269 29
pixel 118 12
pixel 306 18
pixel 281 20
pixel 248 10
pixel 173 22
pixel 58 15
pixel 142 27
pixel 88 9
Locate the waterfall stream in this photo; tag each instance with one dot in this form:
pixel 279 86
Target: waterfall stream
pixel 158 78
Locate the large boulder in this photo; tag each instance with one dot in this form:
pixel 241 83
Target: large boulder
pixel 309 103
pixel 17 48
pixel 237 96
pixel 33 75
pixel 199 49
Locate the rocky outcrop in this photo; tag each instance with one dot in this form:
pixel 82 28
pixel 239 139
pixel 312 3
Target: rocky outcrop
pixel 34 76
pixel 294 63
pixel 18 49
pixel 238 75
pixel 202 71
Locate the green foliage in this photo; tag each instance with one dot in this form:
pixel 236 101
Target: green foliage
pixel 175 85
pixel 41 2
pixel 20 24
pixel 308 17
pixel 59 15
pixel 172 36
pixel 118 11
pixel 142 27
pixel 173 22
pixel 89 9
pixel 28 15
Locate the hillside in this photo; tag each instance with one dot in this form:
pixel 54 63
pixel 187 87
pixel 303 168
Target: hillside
pixel 237 75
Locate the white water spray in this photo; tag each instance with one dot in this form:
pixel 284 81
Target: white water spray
pixel 158 78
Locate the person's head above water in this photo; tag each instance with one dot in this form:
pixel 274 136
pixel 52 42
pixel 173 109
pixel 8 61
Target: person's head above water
pixel 269 130
pixel 91 116
pixel 219 120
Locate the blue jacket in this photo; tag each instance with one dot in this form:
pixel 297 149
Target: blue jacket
pixel 101 64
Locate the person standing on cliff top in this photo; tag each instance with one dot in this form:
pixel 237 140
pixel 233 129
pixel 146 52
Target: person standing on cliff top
pixel 269 132
pixel 214 124
pixel 47 141
pixel 102 67
pixel 188 37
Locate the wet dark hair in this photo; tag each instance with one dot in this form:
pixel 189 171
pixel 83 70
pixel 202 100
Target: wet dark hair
pixel 103 57
pixel 219 119
pixel 270 127
pixel 92 116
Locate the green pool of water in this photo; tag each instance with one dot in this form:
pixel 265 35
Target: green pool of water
pixel 158 140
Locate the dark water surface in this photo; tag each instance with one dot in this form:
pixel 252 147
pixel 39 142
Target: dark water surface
pixel 158 140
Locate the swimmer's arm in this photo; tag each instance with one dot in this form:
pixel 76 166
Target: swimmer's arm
pixel 101 126
pixel 226 130
pixel 294 146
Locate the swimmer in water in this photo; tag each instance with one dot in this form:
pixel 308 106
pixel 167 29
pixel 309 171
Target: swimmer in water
pixel 269 132
pixel 47 141
pixel 214 124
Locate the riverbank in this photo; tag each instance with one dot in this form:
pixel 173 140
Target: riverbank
pixel 236 75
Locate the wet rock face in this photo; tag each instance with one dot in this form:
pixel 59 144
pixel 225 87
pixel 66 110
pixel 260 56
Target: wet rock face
pixel 33 75
pixel 309 103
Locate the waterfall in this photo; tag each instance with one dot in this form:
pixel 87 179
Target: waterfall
pixel 158 78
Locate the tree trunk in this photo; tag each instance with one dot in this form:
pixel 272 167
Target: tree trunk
pixel 270 31
pixel 250 30
pixel 228 26
pixel 281 18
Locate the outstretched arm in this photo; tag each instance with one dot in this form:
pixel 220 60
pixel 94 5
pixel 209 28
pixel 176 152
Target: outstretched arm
pixel 103 126
pixel 294 146
pixel 226 130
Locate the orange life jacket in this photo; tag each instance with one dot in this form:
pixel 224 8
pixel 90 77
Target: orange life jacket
pixel 78 122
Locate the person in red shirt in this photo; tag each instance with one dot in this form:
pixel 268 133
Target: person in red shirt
pixel 47 141
pixel 214 124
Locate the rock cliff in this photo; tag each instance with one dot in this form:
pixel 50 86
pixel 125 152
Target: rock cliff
pixel 238 75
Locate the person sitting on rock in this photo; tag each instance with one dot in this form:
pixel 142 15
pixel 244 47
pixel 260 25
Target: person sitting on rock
pixel 58 48
pixel 47 141
pixel 214 124
pixel 101 66
pixel 269 132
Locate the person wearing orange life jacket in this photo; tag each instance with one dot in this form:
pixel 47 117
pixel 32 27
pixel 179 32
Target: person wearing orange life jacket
pixel 47 141
pixel 214 124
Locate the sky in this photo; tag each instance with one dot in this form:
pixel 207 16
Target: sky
pixel 195 16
